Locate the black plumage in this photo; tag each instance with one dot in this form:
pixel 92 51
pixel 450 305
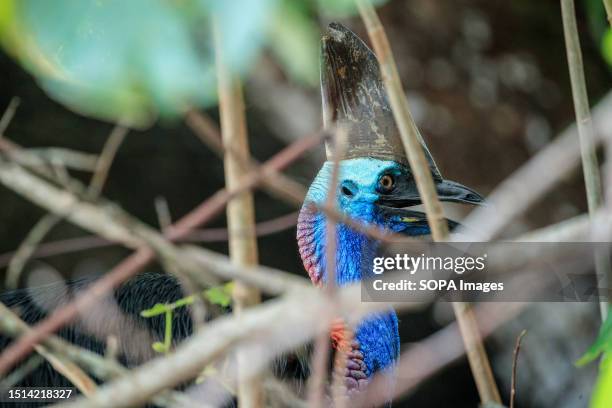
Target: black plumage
pixel 119 316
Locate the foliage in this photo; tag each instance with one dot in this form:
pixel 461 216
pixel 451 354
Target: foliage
pixel 602 394
pixel 139 59
pixel 600 28
pixel 218 295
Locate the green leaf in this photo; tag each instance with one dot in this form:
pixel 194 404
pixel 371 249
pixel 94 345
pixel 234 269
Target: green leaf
pixel 156 310
pixel 602 393
pixel 132 60
pixel 342 8
pixel 602 344
pixel 294 40
pixel 159 347
pixel 606 46
pixel 220 295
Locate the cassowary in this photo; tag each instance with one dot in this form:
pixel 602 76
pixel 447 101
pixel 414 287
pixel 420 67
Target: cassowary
pixel 374 185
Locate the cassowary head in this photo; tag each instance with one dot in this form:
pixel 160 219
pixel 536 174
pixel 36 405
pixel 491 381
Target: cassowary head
pixel 375 184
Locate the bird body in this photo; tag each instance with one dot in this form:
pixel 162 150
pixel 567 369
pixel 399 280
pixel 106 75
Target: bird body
pixel 374 186
pixel 377 335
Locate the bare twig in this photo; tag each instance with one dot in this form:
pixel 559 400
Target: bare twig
pixel 409 133
pixel 28 247
pixel 422 360
pixel 163 213
pixel 55 156
pixel 70 245
pixel 517 349
pixel 240 209
pixel 69 370
pixel 49 221
pixel 281 186
pixel 100 367
pixel 479 362
pixel 534 178
pixel 318 377
pixel 105 160
pixel 590 168
pixel 8 115
pixel 285 315
pixel 277 184
pixel 20 181
pixel 21 372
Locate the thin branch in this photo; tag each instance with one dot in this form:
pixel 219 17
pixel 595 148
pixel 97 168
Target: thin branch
pixel 103 223
pixel 318 376
pixel 28 247
pixel 8 115
pixel 49 221
pixel 590 168
pixel 422 360
pixel 515 354
pixel 277 184
pixel 479 362
pixel 68 369
pixel 71 245
pixel 21 372
pixel 533 179
pixel 240 209
pixel 103 368
pixel 281 186
pixel 409 132
pixel 224 334
pixel 54 156
pixel 163 213
pixel 105 160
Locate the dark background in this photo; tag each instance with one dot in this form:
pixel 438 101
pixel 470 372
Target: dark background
pixel 488 84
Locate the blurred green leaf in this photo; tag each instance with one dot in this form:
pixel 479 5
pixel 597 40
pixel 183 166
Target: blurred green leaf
pixel 220 295
pixel 130 60
pixel 159 347
pixel 602 393
pixel 341 8
pixel 294 40
pixel 602 344
pixel 606 46
pixel 156 310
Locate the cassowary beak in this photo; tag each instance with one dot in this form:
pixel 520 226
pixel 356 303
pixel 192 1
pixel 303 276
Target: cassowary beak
pixel 449 191
pixel 392 206
pixel 416 219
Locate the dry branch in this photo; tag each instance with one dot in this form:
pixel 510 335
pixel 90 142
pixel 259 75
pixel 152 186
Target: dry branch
pixel 425 358
pixel 49 221
pixel 100 367
pixel 278 317
pixel 240 209
pixel 590 167
pixel 205 260
pixel 534 178
pixel 15 177
pixel 515 354
pixel 8 115
pixel 413 144
pixel 71 245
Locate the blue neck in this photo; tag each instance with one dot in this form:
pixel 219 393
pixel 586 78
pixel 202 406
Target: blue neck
pixel 377 334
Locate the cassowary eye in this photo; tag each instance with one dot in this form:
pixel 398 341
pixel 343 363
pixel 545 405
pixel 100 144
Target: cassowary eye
pixel 386 183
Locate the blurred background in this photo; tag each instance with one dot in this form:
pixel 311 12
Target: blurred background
pixel 487 82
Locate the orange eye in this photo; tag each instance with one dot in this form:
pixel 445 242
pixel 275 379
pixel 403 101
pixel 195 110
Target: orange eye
pixel 386 183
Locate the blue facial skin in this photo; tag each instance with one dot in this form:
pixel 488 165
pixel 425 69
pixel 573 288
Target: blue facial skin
pixel 356 196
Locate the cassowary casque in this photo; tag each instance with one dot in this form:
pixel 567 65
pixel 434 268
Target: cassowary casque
pixel 374 184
